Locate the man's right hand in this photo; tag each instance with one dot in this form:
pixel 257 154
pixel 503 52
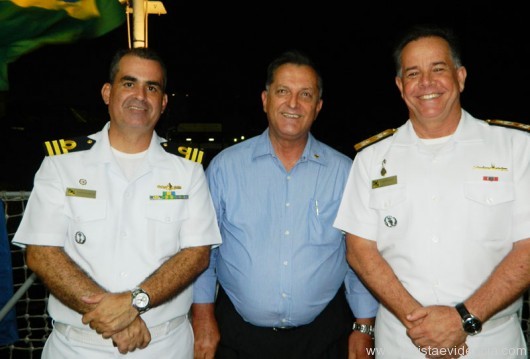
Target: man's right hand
pixel 135 336
pixel 205 330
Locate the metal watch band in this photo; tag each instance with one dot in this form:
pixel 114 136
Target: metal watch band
pixel 139 292
pixel 363 328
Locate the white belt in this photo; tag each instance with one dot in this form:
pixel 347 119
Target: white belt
pixel 93 338
pixel 495 322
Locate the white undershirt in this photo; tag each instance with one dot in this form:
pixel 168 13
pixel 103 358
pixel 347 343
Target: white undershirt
pixel 435 144
pixel 129 162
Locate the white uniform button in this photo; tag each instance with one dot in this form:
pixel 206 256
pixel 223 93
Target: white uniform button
pixel 124 274
pixel 435 239
pixel 490 200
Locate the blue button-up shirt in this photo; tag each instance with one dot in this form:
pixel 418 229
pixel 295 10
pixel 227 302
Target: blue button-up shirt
pixel 281 261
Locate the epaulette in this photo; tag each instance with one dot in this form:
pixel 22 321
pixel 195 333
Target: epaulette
pixel 510 124
pixel 189 153
pixel 370 141
pixel 62 146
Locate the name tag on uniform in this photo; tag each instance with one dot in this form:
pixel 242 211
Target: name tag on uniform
pixel 383 182
pixel 80 192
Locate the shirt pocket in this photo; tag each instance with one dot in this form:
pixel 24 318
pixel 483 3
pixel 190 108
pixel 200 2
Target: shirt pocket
pixel 387 199
pixel 164 221
pixel 489 209
pixel 321 217
pixel 81 210
pixel 86 220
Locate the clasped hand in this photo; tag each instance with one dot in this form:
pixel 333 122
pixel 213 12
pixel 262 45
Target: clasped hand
pixel 114 317
pixel 437 332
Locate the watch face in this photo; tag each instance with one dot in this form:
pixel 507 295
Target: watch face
pixel 141 300
pixel 472 326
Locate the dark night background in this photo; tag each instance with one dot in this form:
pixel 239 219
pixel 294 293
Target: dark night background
pixel 217 58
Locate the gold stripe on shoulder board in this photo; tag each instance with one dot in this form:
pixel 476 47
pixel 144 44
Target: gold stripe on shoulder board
pixel 62 146
pixel 380 136
pixel 510 124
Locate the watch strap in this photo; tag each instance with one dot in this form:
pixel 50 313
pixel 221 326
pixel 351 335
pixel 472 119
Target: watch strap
pixel 363 328
pixel 134 293
pixel 462 310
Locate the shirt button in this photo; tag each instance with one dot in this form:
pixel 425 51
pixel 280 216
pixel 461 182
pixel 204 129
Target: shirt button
pixel 287 204
pixel 435 239
pixel 124 274
pixel 285 263
pixel 288 178
pixel 287 232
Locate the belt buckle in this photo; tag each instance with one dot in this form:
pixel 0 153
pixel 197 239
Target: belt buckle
pixel 283 329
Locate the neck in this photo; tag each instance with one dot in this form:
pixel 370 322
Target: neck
pixel 129 142
pixel 288 151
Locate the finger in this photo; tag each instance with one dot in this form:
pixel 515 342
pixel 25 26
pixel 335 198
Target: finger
pixel 417 314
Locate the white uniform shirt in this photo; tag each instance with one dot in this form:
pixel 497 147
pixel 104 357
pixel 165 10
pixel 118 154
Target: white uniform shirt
pixel 451 216
pixel 130 228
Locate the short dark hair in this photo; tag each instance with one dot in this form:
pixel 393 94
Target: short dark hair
pixel 295 57
pixel 142 52
pixel 419 31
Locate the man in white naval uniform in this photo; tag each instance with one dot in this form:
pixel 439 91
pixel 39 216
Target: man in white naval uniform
pixel 437 216
pixel 118 228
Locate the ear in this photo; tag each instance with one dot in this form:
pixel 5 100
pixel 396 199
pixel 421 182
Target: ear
pixel 461 74
pixel 164 102
pixel 399 84
pixel 264 100
pixel 319 105
pixel 105 93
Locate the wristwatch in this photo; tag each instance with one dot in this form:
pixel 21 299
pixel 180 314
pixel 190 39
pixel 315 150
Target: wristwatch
pixel 140 300
pixel 471 324
pixel 363 328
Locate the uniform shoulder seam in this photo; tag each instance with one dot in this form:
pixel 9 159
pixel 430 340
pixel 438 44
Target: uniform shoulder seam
pixel 376 138
pixel 509 124
pixel 68 145
pixel 193 154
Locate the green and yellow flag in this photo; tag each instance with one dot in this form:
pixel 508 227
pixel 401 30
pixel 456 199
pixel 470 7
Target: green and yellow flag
pixel 26 25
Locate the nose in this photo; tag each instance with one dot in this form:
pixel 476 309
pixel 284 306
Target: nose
pixel 293 101
pixel 426 79
pixel 141 92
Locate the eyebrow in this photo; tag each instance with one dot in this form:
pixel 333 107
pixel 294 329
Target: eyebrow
pixel 437 63
pixel 134 79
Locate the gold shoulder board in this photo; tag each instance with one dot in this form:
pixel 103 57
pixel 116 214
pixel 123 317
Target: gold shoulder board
pixel 370 141
pixel 60 147
pixel 189 153
pixel 510 124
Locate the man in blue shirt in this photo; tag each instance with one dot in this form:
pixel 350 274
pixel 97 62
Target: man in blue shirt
pixel 284 283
